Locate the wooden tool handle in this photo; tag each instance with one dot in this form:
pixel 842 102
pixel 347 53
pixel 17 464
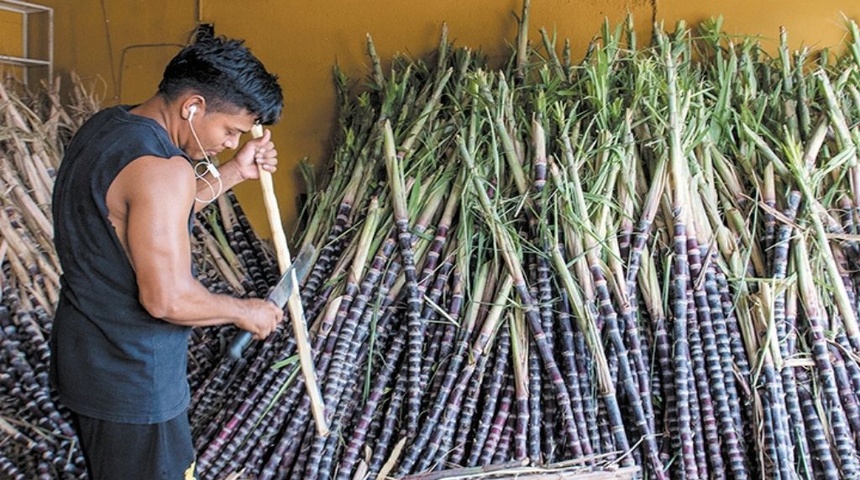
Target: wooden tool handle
pixel 294 304
pixel 272 211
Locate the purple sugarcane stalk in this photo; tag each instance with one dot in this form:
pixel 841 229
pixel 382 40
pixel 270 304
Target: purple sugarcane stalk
pixel 323 459
pixel 512 264
pixel 820 446
pixel 450 329
pixel 286 447
pixel 770 463
pixel 453 450
pixel 456 380
pixel 846 390
pixel 492 392
pixel 9 469
pixel 643 228
pixel 626 377
pixel 720 387
pixel 303 461
pixel 568 362
pixel 351 351
pixel 548 412
pixel 606 427
pixel 739 367
pixel 589 400
pixel 36 398
pixel 814 316
pixel 708 456
pixel 503 448
pixel 443 331
pixel 521 354
pixel 779 269
pixel 330 251
pixel 246 449
pixel 531 415
pixel 392 413
pixel 231 428
pixel 503 417
pixel 852 367
pixel 259 379
pixel 437 451
pixel 441 402
pixel 352 325
pixel 417 326
pixel 681 357
pixel 779 422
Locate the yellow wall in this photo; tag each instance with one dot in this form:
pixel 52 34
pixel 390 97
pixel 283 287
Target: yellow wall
pixel 143 36
pixel 301 40
pixel 10 33
pixel 11 28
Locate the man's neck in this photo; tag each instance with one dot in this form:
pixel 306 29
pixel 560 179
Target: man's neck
pixel 158 109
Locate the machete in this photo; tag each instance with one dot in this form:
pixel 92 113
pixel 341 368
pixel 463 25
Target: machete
pixel 279 294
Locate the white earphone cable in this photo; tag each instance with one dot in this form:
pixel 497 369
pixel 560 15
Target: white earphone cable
pixel 207 164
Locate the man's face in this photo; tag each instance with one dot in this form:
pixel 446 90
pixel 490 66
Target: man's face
pixel 217 131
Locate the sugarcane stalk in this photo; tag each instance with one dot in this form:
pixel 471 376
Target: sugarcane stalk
pixel 841 438
pixel 474 363
pixel 522 374
pixel 507 250
pixel 34 216
pixel 628 378
pixel 227 271
pixel 847 313
pixel 680 270
pixel 522 42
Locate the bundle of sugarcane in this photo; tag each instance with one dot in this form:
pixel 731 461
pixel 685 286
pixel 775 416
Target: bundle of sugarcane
pixel 37 438
pixel 38 441
pixel 648 256
pixel 37 126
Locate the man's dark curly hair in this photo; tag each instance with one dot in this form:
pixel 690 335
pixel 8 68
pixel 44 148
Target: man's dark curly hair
pixel 225 73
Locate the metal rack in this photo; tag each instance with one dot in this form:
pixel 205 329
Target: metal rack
pixel 31 12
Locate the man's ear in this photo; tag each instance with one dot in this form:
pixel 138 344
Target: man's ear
pixel 192 105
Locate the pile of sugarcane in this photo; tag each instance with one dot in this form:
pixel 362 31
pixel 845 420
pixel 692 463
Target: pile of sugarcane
pixel 641 263
pixel 36 437
pixel 647 259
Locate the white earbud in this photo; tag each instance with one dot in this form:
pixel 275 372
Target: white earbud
pixel 209 167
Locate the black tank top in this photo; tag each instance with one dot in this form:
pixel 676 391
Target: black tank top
pixel 110 359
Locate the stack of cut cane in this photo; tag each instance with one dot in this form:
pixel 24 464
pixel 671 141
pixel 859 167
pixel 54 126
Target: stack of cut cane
pixel 644 259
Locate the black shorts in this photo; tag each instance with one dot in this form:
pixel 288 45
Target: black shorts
pixel 160 451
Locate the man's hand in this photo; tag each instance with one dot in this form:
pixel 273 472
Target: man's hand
pixel 256 152
pixel 261 317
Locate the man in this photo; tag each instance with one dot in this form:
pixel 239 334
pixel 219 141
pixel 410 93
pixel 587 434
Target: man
pixel 123 204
